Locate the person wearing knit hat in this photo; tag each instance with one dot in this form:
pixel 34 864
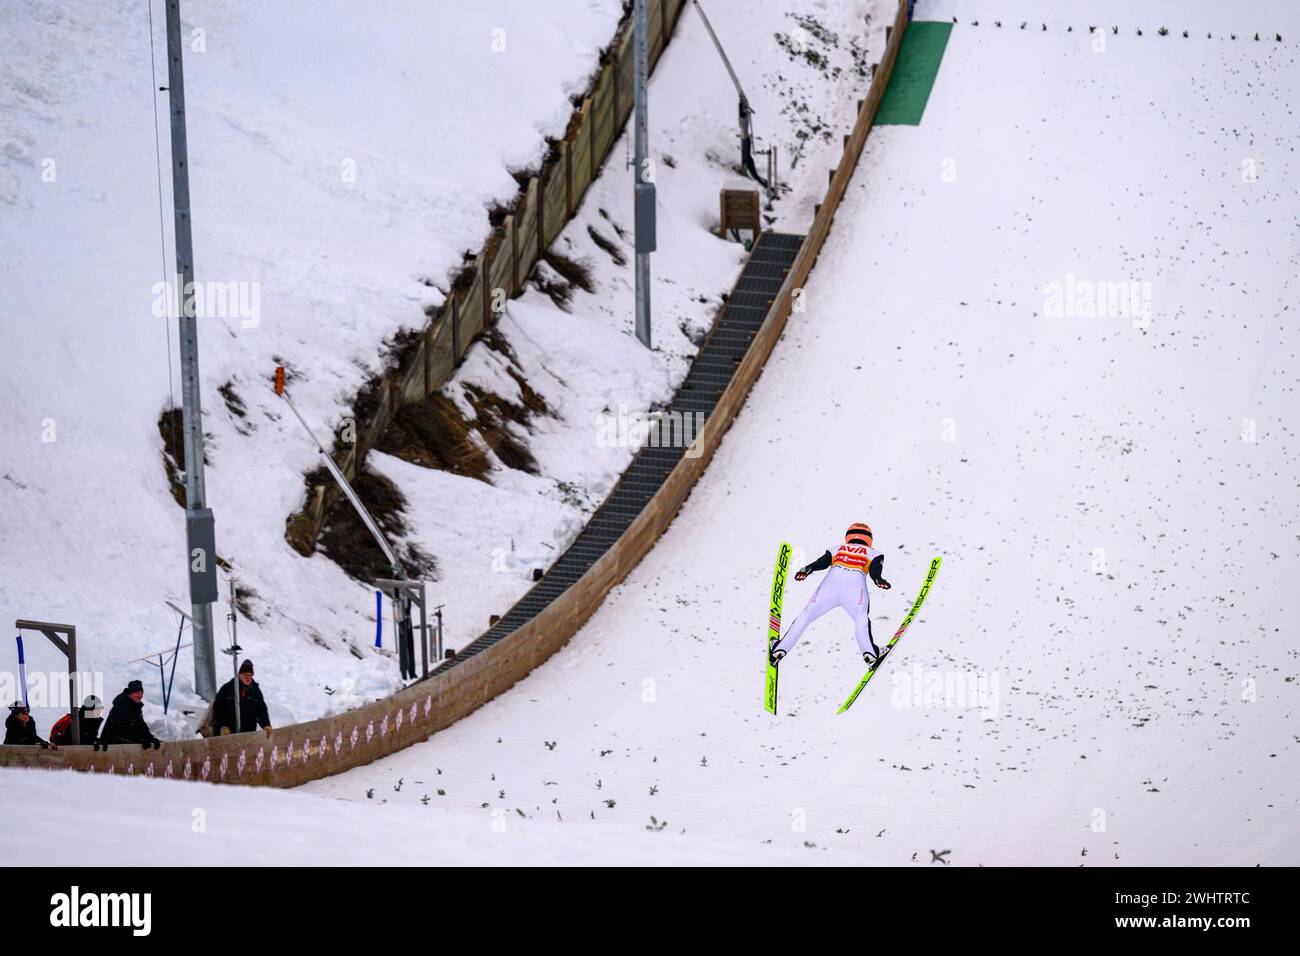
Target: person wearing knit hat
pixel 125 723
pixel 252 706
pixel 20 728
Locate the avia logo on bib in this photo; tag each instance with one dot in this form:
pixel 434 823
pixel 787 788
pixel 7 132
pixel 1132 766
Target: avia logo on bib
pixel 132 910
pixel 856 556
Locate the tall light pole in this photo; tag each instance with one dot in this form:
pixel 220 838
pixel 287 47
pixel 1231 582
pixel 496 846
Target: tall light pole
pixel 201 554
pixel 644 190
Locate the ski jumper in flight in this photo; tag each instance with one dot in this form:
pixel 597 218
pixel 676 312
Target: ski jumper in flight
pixel 845 586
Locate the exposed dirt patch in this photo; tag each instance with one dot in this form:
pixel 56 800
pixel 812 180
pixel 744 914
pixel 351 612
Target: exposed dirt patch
pixel 435 433
pixel 607 245
pixel 552 285
pixel 347 541
pixel 574 272
pixel 170 427
pixel 235 405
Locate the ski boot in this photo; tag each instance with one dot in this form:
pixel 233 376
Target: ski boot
pixel 872 660
pixel 773 655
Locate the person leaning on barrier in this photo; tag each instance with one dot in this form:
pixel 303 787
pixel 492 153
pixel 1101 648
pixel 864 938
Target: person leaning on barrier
pixel 252 706
pixel 125 723
pixel 20 728
pixel 89 717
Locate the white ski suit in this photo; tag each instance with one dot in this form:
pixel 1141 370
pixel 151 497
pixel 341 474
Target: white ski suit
pixel 845 586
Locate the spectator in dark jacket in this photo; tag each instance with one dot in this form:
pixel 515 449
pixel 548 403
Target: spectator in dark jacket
pixel 125 723
pixel 20 728
pixel 252 706
pixel 89 716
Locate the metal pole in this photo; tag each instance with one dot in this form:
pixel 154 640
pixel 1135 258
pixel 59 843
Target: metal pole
pixel 398 571
pixel 438 653
pixel 72 685
pixel 205 667
pixel 744 112
pixel 721 52
pixel 644 189
pixel 402 600
pixel 234 656
pixel 424 634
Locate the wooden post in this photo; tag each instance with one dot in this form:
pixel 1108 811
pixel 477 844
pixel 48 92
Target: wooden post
pixel 428 358
pixel 568 178
pixel 455 330
pixel 485 272
pixel 616 63
pixel 514 254
pixel 541 212
pixel 589 121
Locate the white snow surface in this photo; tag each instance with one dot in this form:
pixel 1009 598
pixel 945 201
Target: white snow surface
pixel 1114 503
pixel 284 100
pixel 1140 701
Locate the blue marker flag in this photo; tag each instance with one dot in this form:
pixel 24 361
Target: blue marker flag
pixel 22 667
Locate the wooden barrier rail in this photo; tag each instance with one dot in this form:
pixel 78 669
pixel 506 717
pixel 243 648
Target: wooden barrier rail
pixel 318 748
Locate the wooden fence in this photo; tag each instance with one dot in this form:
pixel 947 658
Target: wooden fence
pixel 302 752
pixel 543 208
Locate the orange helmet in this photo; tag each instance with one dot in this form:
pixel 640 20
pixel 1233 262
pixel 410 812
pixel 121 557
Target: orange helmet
pixel 858 533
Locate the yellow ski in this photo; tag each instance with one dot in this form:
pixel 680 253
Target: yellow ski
pixel 774 622
pixel 920 599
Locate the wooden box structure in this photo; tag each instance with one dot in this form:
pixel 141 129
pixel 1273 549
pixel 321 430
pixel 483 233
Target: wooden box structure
pixel 740 210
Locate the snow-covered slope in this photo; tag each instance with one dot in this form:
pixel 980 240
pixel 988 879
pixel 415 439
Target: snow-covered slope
pixel 1105 672
pixel 340 162
pixel 137 822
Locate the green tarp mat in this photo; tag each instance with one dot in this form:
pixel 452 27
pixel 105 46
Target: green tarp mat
pixel 917 65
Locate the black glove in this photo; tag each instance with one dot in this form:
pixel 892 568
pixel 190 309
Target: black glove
pixel 883 584
pixel 800 574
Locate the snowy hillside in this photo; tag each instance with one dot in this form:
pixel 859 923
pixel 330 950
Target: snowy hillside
pixel 342 163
